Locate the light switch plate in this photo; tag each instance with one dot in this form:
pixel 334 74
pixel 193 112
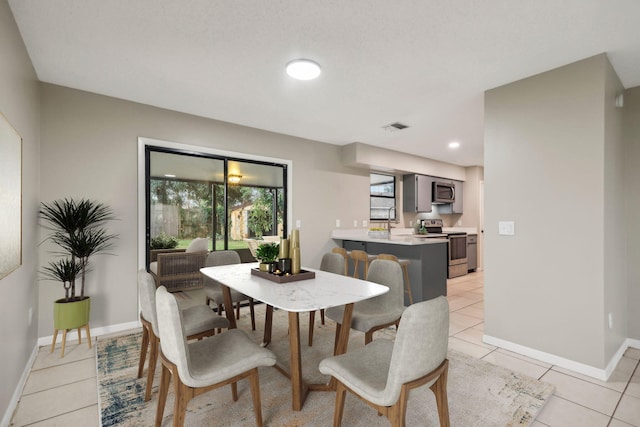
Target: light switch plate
pixel 364 223
pixel 506 228
pixel 338 223
pixel 298 223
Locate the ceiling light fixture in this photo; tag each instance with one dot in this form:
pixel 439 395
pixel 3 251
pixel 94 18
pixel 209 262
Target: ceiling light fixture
pixel 234 179
pixel 454 144
pixel 303 69
pixel 169 175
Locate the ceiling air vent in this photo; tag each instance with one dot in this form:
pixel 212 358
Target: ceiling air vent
pixel 394 127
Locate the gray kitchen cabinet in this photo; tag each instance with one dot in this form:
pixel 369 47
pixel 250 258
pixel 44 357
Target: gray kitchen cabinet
pixel 456 206
pixel 416 190
pixel 472 252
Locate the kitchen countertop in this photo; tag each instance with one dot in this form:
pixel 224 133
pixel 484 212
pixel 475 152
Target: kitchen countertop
pixel 398 237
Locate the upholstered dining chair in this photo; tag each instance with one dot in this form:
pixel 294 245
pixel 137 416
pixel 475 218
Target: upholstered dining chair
pixel 213 291
pixel 383 372
pixel 201 366
pixel 346 254
pixel 404 263
pixel 376 313
pixel 199 322
pixel 333 263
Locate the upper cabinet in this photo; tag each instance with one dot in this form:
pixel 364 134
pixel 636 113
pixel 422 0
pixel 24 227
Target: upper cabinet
pixel 456 206
pixel 417 193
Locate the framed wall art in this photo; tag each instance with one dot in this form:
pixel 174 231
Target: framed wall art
pixel 10 198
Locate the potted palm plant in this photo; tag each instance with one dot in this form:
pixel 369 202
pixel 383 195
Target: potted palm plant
pixel 267 253
pixel 77 228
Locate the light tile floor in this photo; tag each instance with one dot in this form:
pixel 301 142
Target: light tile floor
pixel 62 392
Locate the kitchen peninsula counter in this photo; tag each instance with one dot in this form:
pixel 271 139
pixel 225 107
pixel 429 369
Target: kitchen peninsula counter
pixel 427 255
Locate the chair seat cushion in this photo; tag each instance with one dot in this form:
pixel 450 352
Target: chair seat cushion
pixel 201 318
pixel 364 370
pixel 213 291
pixel 215 359
pixel 363 318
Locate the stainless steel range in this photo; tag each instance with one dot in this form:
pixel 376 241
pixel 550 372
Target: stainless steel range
pixel 457 246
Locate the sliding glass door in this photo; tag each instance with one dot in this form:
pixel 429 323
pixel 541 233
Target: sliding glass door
pixel 225 200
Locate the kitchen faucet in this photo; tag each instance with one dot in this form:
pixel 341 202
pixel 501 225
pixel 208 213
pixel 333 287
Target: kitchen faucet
pixel 389 219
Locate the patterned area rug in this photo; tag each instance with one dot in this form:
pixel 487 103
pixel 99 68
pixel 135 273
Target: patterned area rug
pixel 480 394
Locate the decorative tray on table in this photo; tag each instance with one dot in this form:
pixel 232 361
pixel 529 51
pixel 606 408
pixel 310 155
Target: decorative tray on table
pixel 278 278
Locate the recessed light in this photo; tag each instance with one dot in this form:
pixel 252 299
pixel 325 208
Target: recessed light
pixel 303 69
pixel 168 175
pixel 454 144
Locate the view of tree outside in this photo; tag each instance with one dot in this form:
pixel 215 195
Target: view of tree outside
pixel 184 210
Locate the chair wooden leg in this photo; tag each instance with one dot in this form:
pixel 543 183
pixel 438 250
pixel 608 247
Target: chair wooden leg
pixel 162 394
pixel 238 310
pixel 254 381
pixel 439 388
pixel 64 342
pixel 183 395
pixel 322 316
pixel 234 391
pixel 151 369
pixel 368 337
pixel 143 349
pixel 55 336
pixel 312 317
pixel 253 314
pixel 341 393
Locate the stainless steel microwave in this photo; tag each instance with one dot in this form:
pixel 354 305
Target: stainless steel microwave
pixel 444 192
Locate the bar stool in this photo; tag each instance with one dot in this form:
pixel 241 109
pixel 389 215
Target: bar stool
pixel 346 254
pixel 361 256
pixel 403 263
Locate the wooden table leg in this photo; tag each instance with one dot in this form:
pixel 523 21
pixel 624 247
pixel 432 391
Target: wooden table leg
pixel 228 306
pixel 268 323
pixel 342 340
pixel 299 389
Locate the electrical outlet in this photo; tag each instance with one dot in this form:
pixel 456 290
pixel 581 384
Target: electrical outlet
pixel 355 223
pixel 337 223
pixel 364 223
pixel 30 315
pixel 507 228
pixel 459 223
pixel 410 223
pixel 298 223
pixel 610 320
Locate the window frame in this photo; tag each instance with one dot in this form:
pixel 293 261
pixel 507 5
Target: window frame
pixel 383 197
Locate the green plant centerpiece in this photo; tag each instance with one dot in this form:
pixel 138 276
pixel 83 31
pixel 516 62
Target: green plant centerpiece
pixel 267 253
pixel 78 229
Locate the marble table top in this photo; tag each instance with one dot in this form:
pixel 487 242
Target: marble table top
pixel 324 291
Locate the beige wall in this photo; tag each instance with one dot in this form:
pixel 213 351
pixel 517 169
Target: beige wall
pixel 89 149
pixel 19 102
pixel 632 201
pixel 548 149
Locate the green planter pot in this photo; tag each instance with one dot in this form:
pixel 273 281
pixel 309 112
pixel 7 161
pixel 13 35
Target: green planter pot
pixel 71 315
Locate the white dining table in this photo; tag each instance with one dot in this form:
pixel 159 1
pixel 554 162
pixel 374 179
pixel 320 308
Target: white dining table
pixel 324 291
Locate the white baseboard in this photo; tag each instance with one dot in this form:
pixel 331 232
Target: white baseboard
pixel 13 403
pixel 572 365
pixel 95 332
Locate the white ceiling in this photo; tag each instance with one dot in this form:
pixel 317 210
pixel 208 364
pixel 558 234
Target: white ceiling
pixel 423 63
